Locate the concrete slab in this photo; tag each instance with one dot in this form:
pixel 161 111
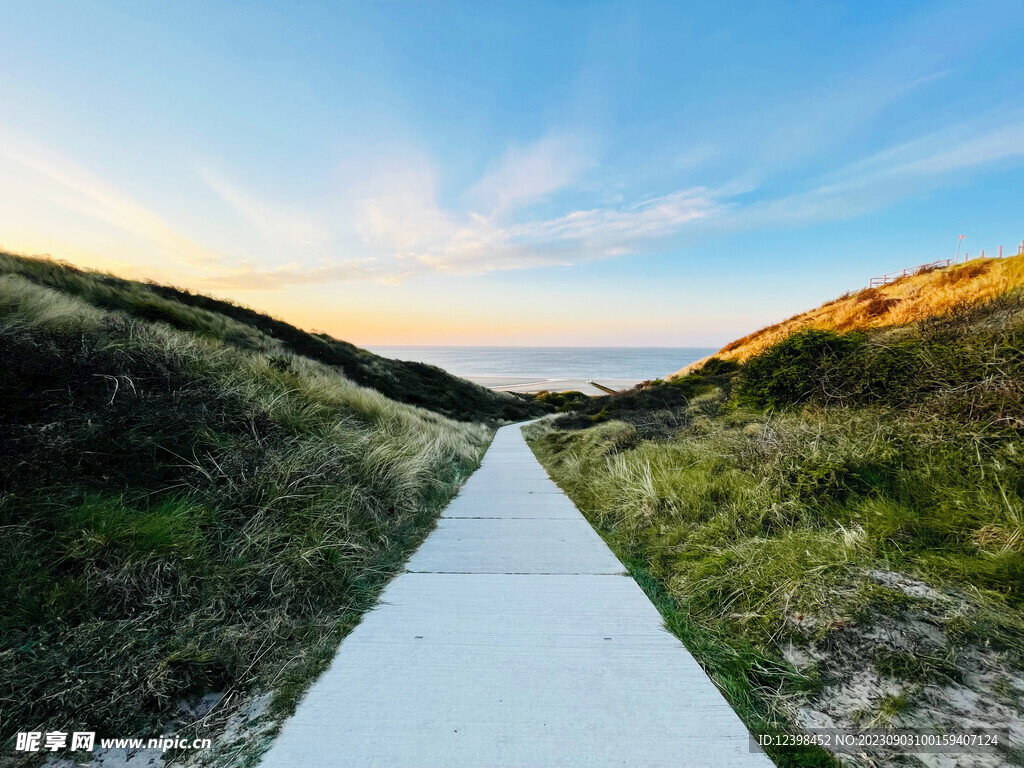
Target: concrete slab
pixel 510 470
pixel 544 505
pixel 503 486
pixel 509 458
pixel 540 609
pixel 549 679
pixel 518 467
pixel 564 667
pixel 525 545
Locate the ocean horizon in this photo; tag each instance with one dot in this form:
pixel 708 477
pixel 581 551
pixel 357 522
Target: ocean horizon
pixel 632 363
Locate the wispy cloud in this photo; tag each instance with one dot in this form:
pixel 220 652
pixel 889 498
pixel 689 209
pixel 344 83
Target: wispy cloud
pixel 251 277
pixel 407 224
pixel 276 222
pixel 578 236
pixel 398 228
pixel 969 145
pixel 903 170
pixel 526 174
pixel 818 122
pixel 68 185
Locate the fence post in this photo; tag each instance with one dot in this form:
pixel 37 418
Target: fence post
pixel 1000 251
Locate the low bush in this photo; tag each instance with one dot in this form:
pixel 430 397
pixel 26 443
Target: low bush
pixel 655 409
pixel 562 401
pixel 794 370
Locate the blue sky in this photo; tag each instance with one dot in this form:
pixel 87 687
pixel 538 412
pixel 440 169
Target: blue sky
pixel 512 173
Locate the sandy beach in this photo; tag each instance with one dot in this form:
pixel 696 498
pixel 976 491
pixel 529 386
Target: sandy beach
pixel 522 384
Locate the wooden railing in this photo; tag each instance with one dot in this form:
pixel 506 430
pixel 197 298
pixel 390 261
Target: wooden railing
pixel 893 276
pixel 890 277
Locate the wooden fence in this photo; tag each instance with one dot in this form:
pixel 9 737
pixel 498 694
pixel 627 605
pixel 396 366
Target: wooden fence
pixel 890 277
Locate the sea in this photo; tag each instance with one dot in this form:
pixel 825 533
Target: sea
pixel 638 363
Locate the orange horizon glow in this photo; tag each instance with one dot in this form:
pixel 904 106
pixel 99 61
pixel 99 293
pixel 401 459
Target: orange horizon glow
pixel 354 319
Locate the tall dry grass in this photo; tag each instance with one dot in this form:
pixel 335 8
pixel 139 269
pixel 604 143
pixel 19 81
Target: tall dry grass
pixel 908 300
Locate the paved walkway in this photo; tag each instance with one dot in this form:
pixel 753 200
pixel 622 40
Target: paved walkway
pixel 515 640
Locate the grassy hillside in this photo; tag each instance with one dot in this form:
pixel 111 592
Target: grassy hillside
pixel 188 506
pixel 415 383
pixel 910 299
pixel 834 527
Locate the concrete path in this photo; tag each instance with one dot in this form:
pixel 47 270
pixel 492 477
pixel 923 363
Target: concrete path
pixel 515 639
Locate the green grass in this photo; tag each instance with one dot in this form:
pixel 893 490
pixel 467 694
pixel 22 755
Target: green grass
pixel 632 509
pixel 208 318
pixel 756 501
pixel 747 530
pixel 180 513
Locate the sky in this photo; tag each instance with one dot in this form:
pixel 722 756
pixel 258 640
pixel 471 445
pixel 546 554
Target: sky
pixel 512 173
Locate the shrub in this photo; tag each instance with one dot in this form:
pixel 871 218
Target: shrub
pixel 793 370
pixel 879 305
pixel 563 401
pixel 716 366
pixel 884 372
